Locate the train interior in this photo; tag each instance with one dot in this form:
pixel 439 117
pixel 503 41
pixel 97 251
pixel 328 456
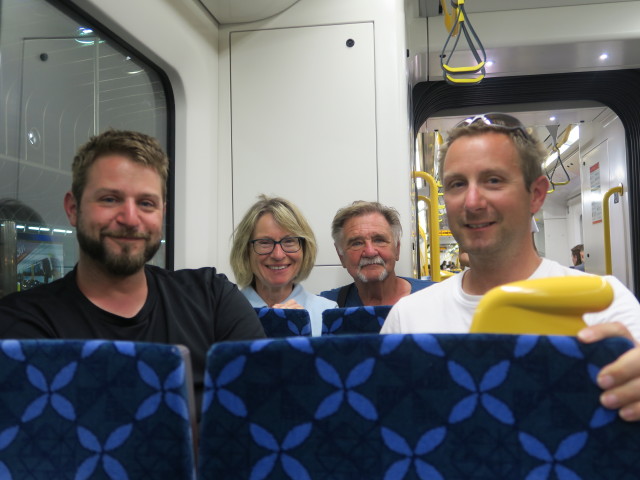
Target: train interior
pixel 312 100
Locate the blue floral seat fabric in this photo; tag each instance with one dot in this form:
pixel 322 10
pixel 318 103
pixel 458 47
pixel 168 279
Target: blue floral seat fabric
pixel 413 406
pixel 93 409
pixel 280 322
pixel 350 320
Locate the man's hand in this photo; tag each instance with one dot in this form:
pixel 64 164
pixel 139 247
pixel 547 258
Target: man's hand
pixel 620 380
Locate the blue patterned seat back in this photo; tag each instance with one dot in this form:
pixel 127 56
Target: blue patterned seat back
pixel 280 322
pixel 93 410
pixel 412 406
pixel 351 320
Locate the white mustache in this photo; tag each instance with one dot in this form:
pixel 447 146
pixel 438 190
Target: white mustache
pixel 377 260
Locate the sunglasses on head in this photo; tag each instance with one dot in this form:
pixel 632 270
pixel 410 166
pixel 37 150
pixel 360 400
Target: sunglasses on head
pixel 493 119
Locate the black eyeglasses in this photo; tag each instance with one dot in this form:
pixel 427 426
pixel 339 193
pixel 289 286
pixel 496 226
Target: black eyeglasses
pixel 264 246
pixel 495 120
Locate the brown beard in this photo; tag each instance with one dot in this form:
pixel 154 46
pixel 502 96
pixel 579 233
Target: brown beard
pixel 123 264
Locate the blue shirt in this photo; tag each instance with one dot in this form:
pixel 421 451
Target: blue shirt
pixel 353 298
pixel 314 304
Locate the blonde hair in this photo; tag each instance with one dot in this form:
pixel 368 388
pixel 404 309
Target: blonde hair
pixel 288 217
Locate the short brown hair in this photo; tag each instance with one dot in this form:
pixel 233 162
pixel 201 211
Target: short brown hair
pixel 358 208
pixel 287 215
pixel 136 146
pixel 575 252
pixel 531 151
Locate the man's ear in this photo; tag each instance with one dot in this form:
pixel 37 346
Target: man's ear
pixel 71 208
pixel 539 189
pixel 340 256
pixel 398 251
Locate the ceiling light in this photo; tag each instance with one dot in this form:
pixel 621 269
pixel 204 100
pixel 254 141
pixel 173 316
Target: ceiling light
pixel 552 118
pixel 604 56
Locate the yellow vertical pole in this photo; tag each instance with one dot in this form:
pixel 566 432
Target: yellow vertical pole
pixel 607 227
pixel 434 224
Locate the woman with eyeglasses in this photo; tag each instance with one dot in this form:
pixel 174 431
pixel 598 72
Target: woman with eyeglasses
pixel 274 249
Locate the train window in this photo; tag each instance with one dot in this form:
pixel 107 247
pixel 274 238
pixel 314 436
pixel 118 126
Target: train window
pixel 62 80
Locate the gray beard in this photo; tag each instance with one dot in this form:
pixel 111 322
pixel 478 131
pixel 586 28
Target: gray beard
pixel 380 278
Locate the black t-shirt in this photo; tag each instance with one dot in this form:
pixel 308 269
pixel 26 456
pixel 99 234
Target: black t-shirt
pixel 195 308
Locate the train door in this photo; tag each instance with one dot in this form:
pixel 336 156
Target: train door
pixel 592 161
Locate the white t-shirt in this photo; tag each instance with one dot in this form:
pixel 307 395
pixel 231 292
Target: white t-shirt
pixel 445 308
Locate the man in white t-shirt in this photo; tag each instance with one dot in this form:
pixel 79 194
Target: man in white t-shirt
pixel 493 184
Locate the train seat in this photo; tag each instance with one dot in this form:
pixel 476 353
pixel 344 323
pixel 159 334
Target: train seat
pixel 95 409
pixel 412 406
pixel 353 320
pixel 543 306
pixel 281 322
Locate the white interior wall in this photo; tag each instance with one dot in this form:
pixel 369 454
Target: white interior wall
pixel 622 252
pixel 391 166
pixel 574 224
pixel 556 239
pixel 607 148
pixel 306 121
pixel 182 39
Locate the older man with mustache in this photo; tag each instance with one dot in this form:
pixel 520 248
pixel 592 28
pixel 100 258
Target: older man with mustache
pixel 367 238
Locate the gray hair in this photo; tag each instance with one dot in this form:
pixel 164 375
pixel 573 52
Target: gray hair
pixel 358 208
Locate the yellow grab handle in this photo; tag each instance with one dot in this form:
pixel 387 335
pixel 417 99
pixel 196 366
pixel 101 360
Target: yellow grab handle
pixel 542 306
pixel 464 80
pixel 470 69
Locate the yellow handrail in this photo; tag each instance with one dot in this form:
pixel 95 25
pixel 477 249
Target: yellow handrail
pixel 426 200
pixel 434 224
pixel 606 223
pixel 424 270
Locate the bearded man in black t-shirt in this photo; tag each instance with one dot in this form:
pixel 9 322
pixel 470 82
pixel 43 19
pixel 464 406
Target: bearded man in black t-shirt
pixel 117 204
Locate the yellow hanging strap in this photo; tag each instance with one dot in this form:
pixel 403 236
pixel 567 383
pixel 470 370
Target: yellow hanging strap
pixel 450 18
pixel 555 147
pixel 464 75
